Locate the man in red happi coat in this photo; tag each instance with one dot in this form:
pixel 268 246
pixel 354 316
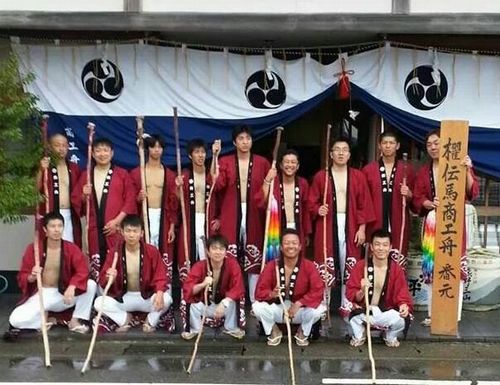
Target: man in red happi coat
pixel 239 180
pixel 65 280
pixel 221 274
pixel 388 295
pixel 196 182
pixel 385 181
pixel 161 199
pixel 140 281
pixel 348 210
pixel 62 177
pixel 111 199
pixel 300 287
pixel 290 195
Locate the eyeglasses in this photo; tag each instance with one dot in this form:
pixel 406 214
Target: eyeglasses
pixel 337 150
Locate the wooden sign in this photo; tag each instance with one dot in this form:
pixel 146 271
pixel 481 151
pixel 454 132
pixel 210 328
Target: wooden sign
pixel 450 214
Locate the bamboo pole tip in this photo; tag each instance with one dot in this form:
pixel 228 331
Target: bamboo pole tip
pixel 139 117
pixel 90 125
pixel 45 117
pixel 280 128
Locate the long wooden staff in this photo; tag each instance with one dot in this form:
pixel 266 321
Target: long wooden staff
pixel 91 131
pixel 215 165
pixel 279 131
pixel 44 128
pixel 203 318
pixel 181 188
pixel 368 320
pixel 287 323
pixel 325 196
pixel 402 258
pixel 97 319
pixel 36 251
pixel 142 165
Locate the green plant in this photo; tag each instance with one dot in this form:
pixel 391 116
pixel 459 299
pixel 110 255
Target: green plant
pixel 20 144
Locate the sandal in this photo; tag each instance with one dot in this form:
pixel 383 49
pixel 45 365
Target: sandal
pixel 426 322
pixel 274 341
pixel 78 328
pixel 235 333
pixel 392 343
pixel 304 341
pixel 147 328
pixel 188 335
pixel 356 342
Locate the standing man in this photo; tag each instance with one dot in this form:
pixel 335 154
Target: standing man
pixel 221 274
pixel 299 285
pixel 140 281
pixel 62 179
pixel 385 181
pixel 291 193
pixel 111 199
pixel 65 280
pixel 196 181
pixel 161 199
pixel 426 202
pixel 348 210
pixel 239 180
pixel 388 294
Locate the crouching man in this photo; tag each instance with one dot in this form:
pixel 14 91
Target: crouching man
pixel 388 294
pixel 140 280
pixel 65 280
pixel 221 274
pixel 300 286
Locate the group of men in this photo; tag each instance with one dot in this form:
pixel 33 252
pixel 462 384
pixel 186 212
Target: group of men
pixel 221 239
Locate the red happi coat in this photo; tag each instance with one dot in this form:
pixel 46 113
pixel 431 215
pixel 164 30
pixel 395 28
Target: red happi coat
pixel 229 198
pixel 53 190
pixel 73 269
pixel 230 283
pixel 118 196
pixel 152 276
pixel 359 211
pixel 301 212
pixel 424 190
pixel 307 286
pixel 394 293
pixel 189 204
pixel 372 172
pixel 169 211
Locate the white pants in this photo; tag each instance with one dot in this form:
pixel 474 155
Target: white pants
pixel 196 313
pixel 252 284
pixel 342 256
pixel 27 315
pixel 68 225
pixel 460 299
pixel 389 320
pixel 200 235
pixel 132 301
pixel 269 314
pixel 154 216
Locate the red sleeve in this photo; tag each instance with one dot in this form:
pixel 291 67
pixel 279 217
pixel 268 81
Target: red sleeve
pixel 410 182
pixel 236 287
pixel 135 177
pixel 195 276
pixel 402 295
pixel 306 215
pixel 474 190
pixel 79 267
pixel 266 283
pixel 421 192
pixel 315 198
pixel 172 206
pixel 103 278
pixel 77 199
pixel 354 282
pixel 364 206
pixel 130 201
pixel 27 264
pixel 221 182
pixel 314 295
pixel 159 278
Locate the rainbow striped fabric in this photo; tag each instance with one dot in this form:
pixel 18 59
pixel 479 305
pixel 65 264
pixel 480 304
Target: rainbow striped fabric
pixel 273 232
pixel 428 252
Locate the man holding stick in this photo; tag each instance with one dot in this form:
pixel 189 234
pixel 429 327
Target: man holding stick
pixel 300 286
pixel 389 298
pixel 220 273
pixel 348 210
pixel 140 280
pixel 65 280
pixel 239 180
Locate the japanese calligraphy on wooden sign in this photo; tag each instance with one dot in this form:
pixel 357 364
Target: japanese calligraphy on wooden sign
pixel 450 191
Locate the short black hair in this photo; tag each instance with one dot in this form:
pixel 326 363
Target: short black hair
pixel 381 233
pixel 52 216
pixel 51 137
pixel 289 231
pixel 102 142
pixel 289 151
pixel 217 239
pixel 343 139
pixel 195 143
pixel 388 134
pixel 132 220
pixel 151 141
pixel 244 129
pixel 436 132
